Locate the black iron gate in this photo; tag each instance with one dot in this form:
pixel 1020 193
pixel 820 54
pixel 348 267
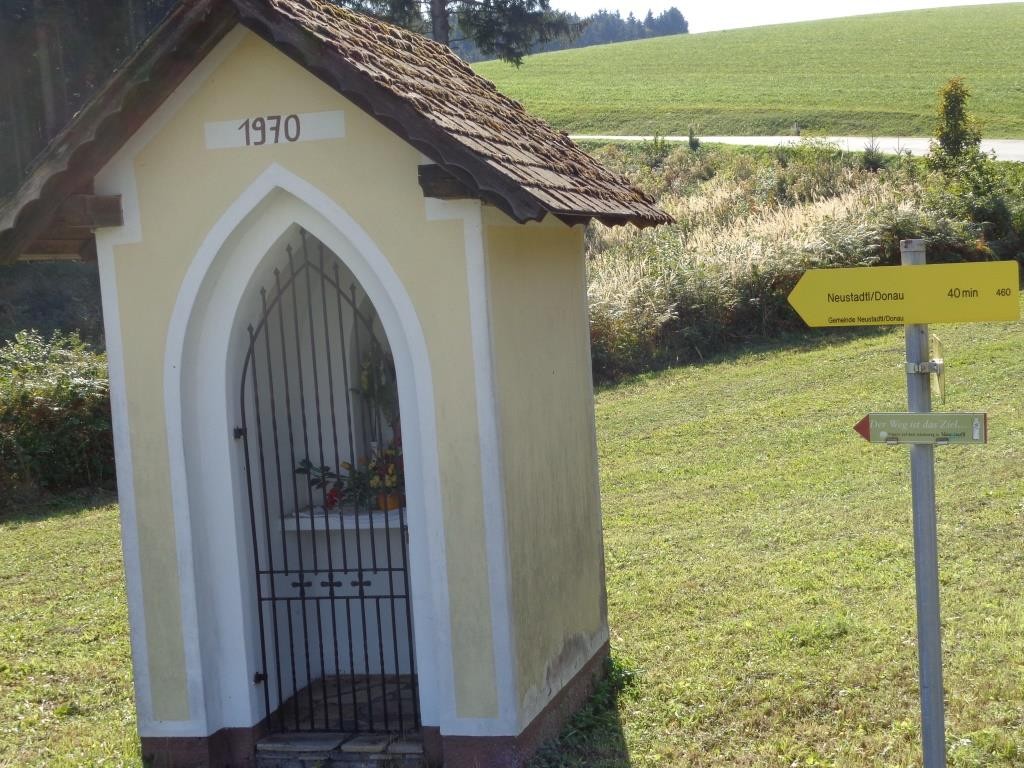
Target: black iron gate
pixel 325 478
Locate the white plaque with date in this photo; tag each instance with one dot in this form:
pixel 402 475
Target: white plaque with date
pixel 268 130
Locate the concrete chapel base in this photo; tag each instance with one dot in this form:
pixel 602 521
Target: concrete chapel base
pixel 515 751
pixel 236 747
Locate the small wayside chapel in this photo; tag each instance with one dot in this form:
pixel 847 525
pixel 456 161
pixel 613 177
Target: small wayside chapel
pixel 345 305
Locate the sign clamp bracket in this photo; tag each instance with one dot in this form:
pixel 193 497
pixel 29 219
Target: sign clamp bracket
pixel 928 367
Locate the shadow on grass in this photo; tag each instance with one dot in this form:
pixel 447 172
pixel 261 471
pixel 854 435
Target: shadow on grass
pixel 793 341
pixel 594 736
pixel 42 507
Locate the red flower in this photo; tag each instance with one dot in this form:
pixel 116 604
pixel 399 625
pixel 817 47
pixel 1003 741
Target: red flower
pixel 332 498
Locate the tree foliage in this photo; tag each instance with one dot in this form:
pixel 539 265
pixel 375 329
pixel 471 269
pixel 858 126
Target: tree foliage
pixel 53 55
pixel 597 29
pixel 956 133
pixel 969 185
pixel 505 29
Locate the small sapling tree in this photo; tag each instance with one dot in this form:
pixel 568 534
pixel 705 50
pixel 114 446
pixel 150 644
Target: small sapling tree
pixel 968 185
pixel 956 134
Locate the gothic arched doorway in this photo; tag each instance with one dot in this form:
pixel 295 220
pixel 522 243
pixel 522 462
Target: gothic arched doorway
pixel 321 430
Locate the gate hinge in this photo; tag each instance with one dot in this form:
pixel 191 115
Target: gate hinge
pixel 239 433
pixel 258 678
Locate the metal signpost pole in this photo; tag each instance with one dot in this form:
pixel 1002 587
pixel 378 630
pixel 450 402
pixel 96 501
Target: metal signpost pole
pixel 914 294
pixel 926 562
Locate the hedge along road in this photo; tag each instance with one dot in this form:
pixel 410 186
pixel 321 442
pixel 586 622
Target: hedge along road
pixel 1005 149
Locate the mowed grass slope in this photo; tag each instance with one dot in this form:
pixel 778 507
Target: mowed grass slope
pixel 760 558
pixel 65 671
pixel 868 75
pixel 759 563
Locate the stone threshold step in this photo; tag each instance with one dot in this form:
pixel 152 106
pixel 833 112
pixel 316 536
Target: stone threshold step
pixel 338 760
pixel 335 745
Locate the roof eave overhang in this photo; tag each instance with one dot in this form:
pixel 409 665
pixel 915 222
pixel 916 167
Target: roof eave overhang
pixel 614 220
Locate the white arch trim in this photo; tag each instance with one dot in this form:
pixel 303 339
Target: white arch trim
pixel 332 226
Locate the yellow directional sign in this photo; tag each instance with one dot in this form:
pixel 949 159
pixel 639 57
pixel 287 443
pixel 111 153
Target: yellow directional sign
pixel 926 293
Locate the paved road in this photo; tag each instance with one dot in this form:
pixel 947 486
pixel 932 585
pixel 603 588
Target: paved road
pixel 1005 149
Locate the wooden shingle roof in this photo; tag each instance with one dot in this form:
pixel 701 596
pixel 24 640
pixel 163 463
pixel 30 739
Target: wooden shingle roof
pixel 487 143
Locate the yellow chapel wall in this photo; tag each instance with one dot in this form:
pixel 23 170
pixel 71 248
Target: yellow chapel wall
pixel 543 385
pixel 183 189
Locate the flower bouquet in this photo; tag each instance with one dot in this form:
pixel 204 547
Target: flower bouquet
pixel 386 473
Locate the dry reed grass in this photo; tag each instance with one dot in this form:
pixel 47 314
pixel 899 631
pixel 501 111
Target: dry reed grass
pixel 741 240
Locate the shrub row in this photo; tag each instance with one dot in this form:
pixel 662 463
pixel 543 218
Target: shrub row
pixel 55 430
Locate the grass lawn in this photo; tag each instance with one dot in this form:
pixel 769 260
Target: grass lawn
pixel 760 571
pixel 65 671
pixel 870 75
pixel 760 560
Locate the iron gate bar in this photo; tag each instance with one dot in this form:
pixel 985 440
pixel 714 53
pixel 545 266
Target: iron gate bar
pixel 295 482
pixel 265 496
pixel 378 436
pixel 305 446
pixel 408 616
pixel 371 429
pixel 334 436
pixel 266 512
pixel 320 443
pixel 351 453
pixel 340 570
pixel 394 630
pixel 359 537
pixel 255 540
pixel 281 491
pixel 280 495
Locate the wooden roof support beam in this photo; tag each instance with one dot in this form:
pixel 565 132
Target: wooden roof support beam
pixel 56 249
pixel 88 212
pixel 87 252
pixel 68 249
pixel 70 234
pixel 437 181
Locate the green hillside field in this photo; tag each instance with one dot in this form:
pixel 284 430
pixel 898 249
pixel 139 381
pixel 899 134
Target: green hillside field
pixel 866 75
